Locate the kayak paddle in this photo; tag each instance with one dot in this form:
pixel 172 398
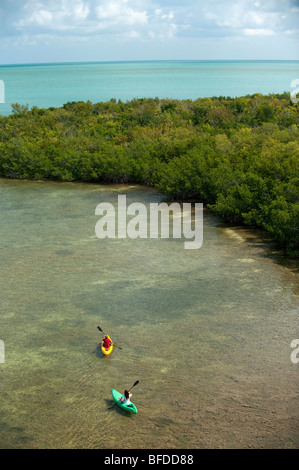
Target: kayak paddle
pixel 100 329
pixel 136 383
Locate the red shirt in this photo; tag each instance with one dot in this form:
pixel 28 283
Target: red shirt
pixel 107 343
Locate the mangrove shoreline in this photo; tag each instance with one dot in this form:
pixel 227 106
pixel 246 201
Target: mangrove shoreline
pixel 240 156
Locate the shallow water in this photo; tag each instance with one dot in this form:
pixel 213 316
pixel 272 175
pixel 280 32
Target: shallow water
pixel 206 332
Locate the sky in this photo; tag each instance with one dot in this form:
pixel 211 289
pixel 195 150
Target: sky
pixel 40 31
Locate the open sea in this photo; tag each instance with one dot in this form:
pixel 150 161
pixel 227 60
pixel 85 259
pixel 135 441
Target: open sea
pixel 45 85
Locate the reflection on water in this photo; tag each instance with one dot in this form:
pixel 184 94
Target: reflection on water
pixel 206 332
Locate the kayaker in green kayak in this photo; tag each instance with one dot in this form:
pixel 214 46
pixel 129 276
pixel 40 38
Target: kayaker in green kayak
pixel 126 398
pixel 123 400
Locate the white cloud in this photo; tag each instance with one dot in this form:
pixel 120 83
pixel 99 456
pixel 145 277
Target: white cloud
pixel 50 15
pixel 119 12
pixel 247 17
pixel 291 32
pixel 41 17
pixel 258 32
pixel 149 26
pixel 154 18
pixel 133 34
pixel 130 18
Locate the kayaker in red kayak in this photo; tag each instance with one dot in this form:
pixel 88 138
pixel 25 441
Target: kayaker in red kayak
pixel 125 399
pixel 107 342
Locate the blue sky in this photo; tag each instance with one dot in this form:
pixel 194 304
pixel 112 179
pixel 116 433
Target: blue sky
pixel 33 31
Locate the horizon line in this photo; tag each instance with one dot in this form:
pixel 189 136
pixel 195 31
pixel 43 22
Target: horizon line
pixel 20 64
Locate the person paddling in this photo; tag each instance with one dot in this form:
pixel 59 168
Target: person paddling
pixel 107 342
pixel 125 399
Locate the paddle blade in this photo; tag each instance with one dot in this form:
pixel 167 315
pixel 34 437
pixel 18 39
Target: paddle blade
pixel 100 329
pixel 136 383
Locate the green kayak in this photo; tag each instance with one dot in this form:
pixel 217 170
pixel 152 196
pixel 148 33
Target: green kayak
pixel 117 396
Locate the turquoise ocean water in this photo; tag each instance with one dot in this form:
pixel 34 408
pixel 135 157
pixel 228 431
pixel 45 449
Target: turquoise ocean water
pixel 45 85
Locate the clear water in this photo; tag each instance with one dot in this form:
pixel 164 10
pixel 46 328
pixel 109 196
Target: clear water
pixel 207 333
pixel 55 84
